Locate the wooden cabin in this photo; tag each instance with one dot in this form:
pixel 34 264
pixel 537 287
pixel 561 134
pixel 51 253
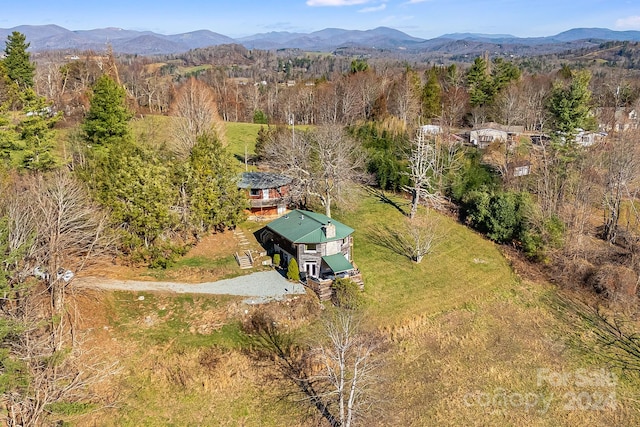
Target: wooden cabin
pixel 267 192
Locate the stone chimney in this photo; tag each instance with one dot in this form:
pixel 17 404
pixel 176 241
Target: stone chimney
pixel 329 230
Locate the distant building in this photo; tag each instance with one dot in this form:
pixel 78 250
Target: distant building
pixel 587 139
pixel 267 192
pixel 618 119
pixel 482 138
pixel 487 133
pixel 519 168
pixel 430 129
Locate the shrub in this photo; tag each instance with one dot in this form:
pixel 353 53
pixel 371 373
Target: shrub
pixel 276 260
pixel 473 175
pixel 346 294
pixel 293 271
pixel 501 215
pixel 260 117
pixel 614 281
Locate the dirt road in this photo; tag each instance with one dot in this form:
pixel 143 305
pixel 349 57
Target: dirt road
pixel 260 287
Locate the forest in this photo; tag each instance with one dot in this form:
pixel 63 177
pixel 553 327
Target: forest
pixel 80 180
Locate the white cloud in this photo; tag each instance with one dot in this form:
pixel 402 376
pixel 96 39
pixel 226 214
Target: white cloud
pixel 383 6
pixel 416 1
pixel 629 23
pixel 336 2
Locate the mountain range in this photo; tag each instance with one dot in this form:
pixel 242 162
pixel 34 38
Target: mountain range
pixel 54 37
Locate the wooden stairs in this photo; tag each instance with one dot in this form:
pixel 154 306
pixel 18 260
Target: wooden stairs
pixel 244 260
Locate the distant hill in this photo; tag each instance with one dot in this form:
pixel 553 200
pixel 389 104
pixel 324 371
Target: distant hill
pixel 597 33
pixel 54 37
pixel 463 36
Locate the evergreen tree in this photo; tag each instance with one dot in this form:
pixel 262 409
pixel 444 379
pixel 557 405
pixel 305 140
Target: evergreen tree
pixel 36 134
pixel 487 80
pixel 8 136
pixel 570 105
pixel 9 91
pixel 293 271
pixel 17 61
pixel 215 202
pixel 108 117
pixel 503 73
pixel 137 189
pixel 358 65
pixel 480 85
pixel 431 95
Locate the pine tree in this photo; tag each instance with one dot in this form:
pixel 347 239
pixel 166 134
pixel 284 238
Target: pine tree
pixel 17 61
pixel 137 189
pixel 431 95
pixel 9 91
pixel 108 117
pixel 8 136
pixel 36 134
pixel 480 87
pixel 570 105
pixel 215 202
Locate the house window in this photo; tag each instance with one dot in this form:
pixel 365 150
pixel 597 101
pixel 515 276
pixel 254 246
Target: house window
pixel 310 247
pixel 255 192
pixel 485 138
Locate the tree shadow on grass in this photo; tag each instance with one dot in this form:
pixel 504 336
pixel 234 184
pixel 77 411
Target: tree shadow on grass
pixel 379 194
pixel 609 336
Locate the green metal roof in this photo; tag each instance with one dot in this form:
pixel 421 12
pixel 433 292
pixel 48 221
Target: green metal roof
pixel 337 263
pixel 300 226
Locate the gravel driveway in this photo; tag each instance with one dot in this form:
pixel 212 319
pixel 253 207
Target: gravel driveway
pixel 262 287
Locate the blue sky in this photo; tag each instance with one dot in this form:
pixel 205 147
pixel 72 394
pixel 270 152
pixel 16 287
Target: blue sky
pixel 419 18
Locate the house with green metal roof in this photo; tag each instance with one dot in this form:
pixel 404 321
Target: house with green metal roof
pixel 321 246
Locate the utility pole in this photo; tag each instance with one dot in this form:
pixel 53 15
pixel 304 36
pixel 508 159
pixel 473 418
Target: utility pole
pixel 292 122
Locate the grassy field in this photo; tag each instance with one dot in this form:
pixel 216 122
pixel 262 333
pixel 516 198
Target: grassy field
pixel 238 136
pixel 466 341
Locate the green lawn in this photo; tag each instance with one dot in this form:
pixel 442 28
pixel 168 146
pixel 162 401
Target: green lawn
pixel 463 269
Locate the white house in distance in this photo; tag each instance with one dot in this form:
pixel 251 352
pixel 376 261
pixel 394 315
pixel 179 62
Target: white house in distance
pixel 430 129
pixel 487 133
pixel 482 138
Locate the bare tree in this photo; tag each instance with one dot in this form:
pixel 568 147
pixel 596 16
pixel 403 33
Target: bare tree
pixel 39 228
pixel 334 375
pixel 509 105
pixel 536 90
pixel 51 375
pixel 430 158
pixel 621 165
pixel 413 238
pixel 348 367
pixel 197 114
pixel 69 231
pixel 322 162
pixel 454 99
pixel 406 98
pixel 339 162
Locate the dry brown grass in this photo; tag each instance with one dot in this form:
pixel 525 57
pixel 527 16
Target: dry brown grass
pixel 443 371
